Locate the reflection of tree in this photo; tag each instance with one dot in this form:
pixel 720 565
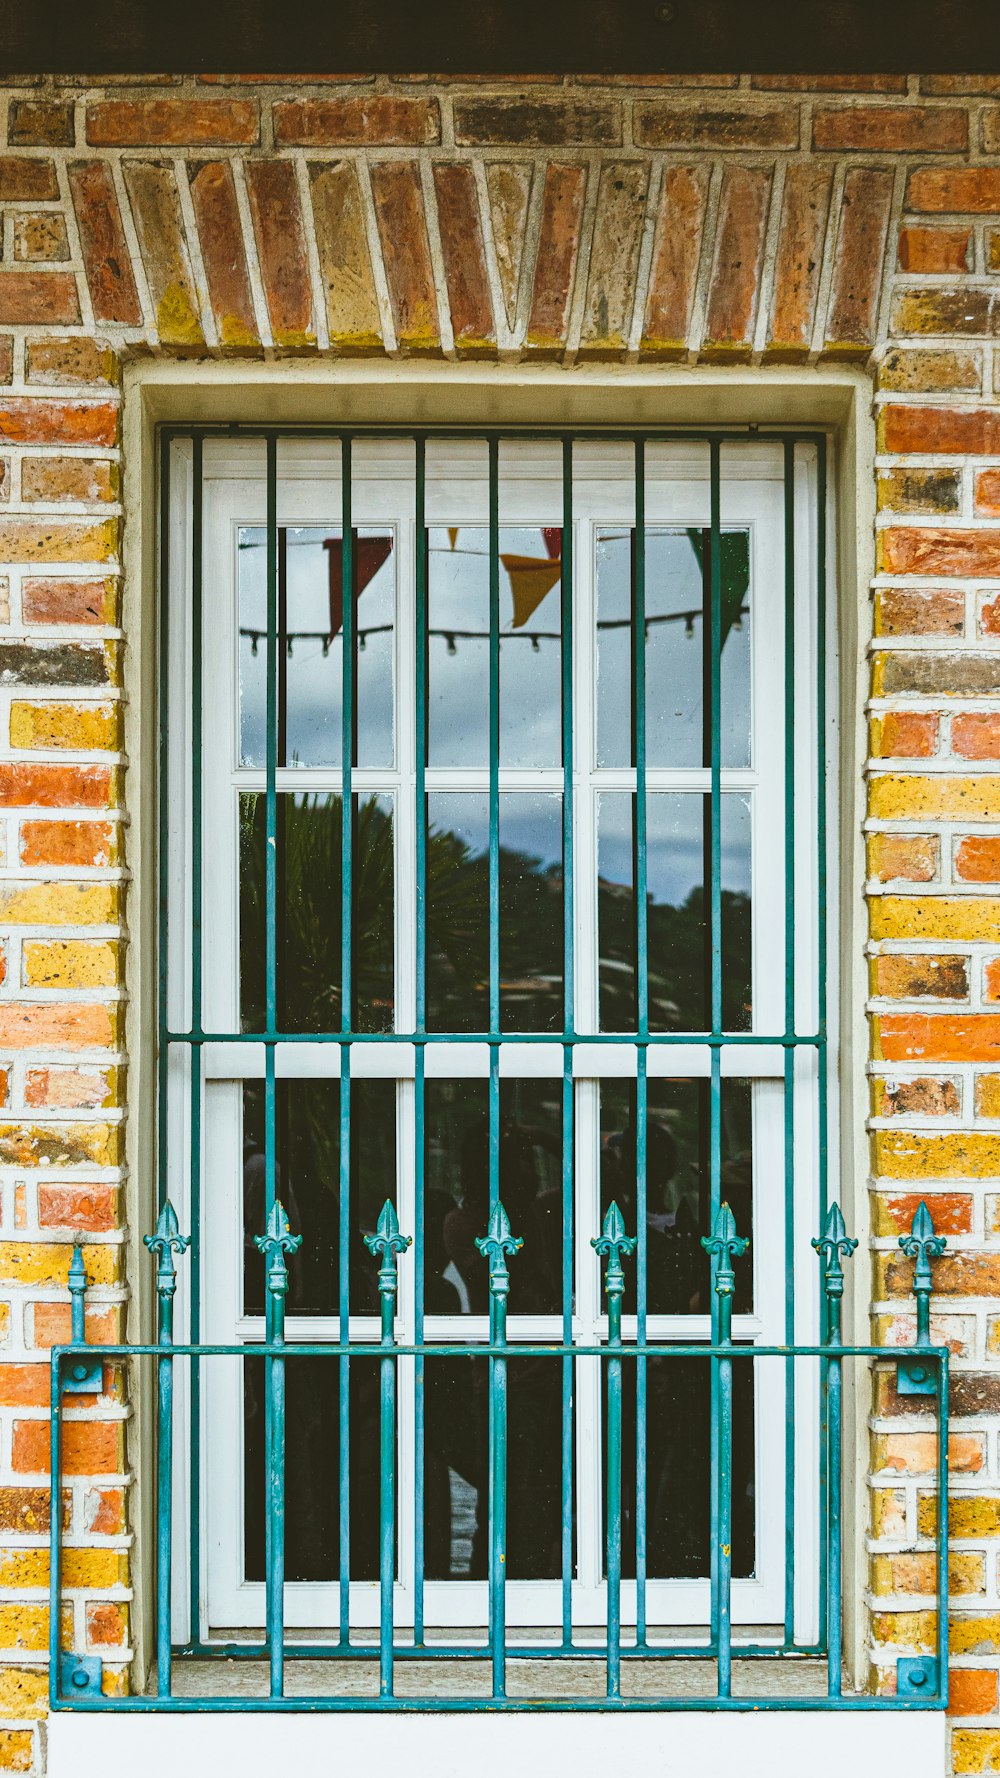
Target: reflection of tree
pixel 679 961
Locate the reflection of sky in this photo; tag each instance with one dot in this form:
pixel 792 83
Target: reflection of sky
pixel 314 677
pixel 675 859
pixel 459 675
pixel 673 657
pixel 529 823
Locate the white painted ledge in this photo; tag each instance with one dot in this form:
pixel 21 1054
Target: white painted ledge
pixel 695 1744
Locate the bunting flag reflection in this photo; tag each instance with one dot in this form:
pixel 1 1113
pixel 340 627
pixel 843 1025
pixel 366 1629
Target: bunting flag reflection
pixel 370 553
pixel 532 577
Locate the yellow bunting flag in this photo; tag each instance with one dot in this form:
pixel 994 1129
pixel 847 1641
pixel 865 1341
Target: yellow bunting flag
pixel 453 535
pixel 531 577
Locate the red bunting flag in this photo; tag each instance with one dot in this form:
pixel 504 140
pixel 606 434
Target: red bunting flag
pixel 369 555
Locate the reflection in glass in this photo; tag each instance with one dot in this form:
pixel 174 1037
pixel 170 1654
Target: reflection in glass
pixel 312 1469
pixel 456 1501
pixel 310 607
pixel 677 1440
pixel 309 911
pixel 531 912
pixel 679 902
pixel 677 666
pixel 307 1180
pixel 678 1173
pixel 457 1198
pixel 530 624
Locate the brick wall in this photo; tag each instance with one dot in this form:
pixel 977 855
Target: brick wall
pixel 765 221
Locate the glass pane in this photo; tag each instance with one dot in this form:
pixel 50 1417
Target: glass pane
pixel 308 917
pixel 679 940
pixel 458 587
pixel 307 1180
pixel 310 645
pixel 312 1469
pixel 458 912
pixel 456 1485
pixel 457 1194
pixel 677 1443
pixel 531 913
pixel 678 1207
pixel 676 660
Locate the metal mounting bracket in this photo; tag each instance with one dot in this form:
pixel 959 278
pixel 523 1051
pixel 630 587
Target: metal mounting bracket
pixel 917 1677
pixel 915 1376
pixel 82 1376
pixel 80 1676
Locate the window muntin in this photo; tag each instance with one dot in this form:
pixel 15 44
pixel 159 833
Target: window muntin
pixel 681 1082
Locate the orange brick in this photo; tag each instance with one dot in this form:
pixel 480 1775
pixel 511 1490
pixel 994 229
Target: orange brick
pixel 913 978
pixel 972 1691
pixel 89 1447
pixel 24 1386
pixel 940 1037
pixel 991 980
pixel 935 249
pixel 88 843
pixel 166 122
pixel 929 550
pixel 53 1326
pixel 977 859
pixel 90 1207
pixel 76 1089
pixel 952 190
pixel 916 858
pixel 906 128
pixel 905 734
pixel 988 492
pixel 937 611
pixel 945 429
pixel 952 1211
pixel 976 735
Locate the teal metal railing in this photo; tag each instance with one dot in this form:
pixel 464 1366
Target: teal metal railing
pixel 921 1681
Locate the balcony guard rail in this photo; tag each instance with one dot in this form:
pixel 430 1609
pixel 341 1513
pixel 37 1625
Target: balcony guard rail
pixel 76 1680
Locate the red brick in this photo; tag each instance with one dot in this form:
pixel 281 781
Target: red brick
pixel 988 492
pixel 934 611
pixel 213 194
pixel 152 191
pixel 70 359
pixel 68 478
pixel 55 787
pixel 91 1207
pixel 799 259
pixel 556 257
pixel 89 1447
pixel 67 1088
pixel 680 224
pixel 732 301
pixel 281 249
pixel 402 225
pixel 977 859
pixel 989 618
pixel 538 122
pixel 929 551
pixel 151 123
pixel 934 249
pixel 37 298
pixel 940 1037
pixel 28 420
pixel 941 429
pixel 922 1097
pixel 976 735
pixel 69 601
pixel 378 120
pixel 106 257
pixel 829 83
pixel 461 233
pixel 661 123
pixel 24 180
pixel 909 128
pixel 857 275
pixel 975 190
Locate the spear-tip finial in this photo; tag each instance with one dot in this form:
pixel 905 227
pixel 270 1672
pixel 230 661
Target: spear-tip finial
pixel 495 1246
pixel 724 1245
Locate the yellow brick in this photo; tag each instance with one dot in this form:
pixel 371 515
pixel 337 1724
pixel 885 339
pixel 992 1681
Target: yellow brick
pixel 23 540
pixel 975 1750
pixel 27 1627
pixel 99 1568
pixel 68 964
pixel 969 1515
pixel 960 1155
pixel 898 796
pixel 888 1513
pixel 24 1691
pixel 915 1630
pixel 988 1095
pixel 60 904
pixel 934 916
pixel 41 1262
pixel 60 1145
pixel 16 1750
pixel 974 1635
pixel 83 726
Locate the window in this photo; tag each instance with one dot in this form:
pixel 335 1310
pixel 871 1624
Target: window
pixel 567 945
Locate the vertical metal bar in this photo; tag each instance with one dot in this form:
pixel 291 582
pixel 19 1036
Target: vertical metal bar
pixel 642 1014
pixel 723 1628
pixel 164 1244
pixel 495 1245
pixel 822 1054
pixel 494 724
pixel 274 1244
pixel 55 1524
pixel 346 1020
pixel 387 1241
pixel 270 972
pixel 163 826
pixel 942 1522
pixel 498 1304
pixel 833 1244
pixel 790 1026
pixel 712 591
pixel 419 1087
pixel 569 1023
pixel 195 1063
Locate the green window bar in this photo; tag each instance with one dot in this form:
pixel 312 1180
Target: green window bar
pixel 76 1680
pixel 625 1357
